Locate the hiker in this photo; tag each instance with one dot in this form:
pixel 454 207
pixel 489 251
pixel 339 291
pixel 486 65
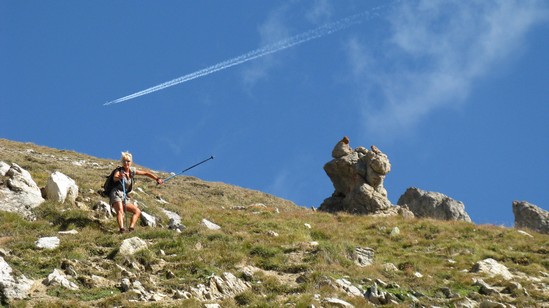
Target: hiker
pixel 127 172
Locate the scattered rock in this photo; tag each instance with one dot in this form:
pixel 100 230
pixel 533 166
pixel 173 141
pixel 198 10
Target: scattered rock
pixel 69 232
pixel 148 220
pixel 336 302
pixel 13 288
pixel 210 225
pixel 51 242
pixel 19 194
pixel 4 168
pixel 58 278
pixel 61 188
pixel 433 205
pixel 174 222
pixel 348 287
pixel 131 246
pixel 492 268
pixel 376 296
pixel 530 216
pixel 219 287
pixel 363 256
pixel 103 210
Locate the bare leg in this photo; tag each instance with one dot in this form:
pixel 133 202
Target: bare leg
pixel 136 214
pixel 119 208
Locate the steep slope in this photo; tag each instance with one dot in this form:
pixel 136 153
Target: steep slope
pixel 268 252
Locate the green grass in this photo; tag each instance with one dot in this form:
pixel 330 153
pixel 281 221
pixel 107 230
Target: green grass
pixel 424 246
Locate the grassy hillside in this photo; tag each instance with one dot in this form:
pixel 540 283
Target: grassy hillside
pixel 297 266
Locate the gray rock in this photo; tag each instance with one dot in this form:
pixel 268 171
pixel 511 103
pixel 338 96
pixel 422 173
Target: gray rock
pixel 12 288
pixel 357 177
pixel 363 256
pixel 51 242
pixel 131 246
pixel 20 194
pixel 210 225
pixel 433 205
pixel 4 168
pixel 103 210
pixel 58 278
pixel 336 302
pixel 530 216
pixel 376 296
pixel 174 222
pixel 492 268
pixel 219 287
pixel 148 220
pixel 61 188
pixel 348 287
pixel 342 148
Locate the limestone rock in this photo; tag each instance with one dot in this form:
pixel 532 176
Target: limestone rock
pixel 530 216
pixel 51 242
pixel 348 287
pixel 12 288
pixel 210 225
pixel 174 222
pixel 4 168
pixel 103 210
pixel 363 256
pixel 131 246
pixel 148 219
pixel 218 287
pixel 336 302
pixel 20 194
pixel 58 278
pixel 433 205
pixel 357 177
pixel 492 268
pixel 342 148
pixel 61 188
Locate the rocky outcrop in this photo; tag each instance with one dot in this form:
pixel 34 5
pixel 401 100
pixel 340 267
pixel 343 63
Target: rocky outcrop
pixel 434 205
pixel 357 176
pixel 19 193
pixel 530 216
pixel 61 188
pixel 12 288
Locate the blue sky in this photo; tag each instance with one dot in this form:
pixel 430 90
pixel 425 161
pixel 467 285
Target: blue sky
pixel 454 92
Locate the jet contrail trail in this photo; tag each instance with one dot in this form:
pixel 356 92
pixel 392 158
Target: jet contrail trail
pixel 254 54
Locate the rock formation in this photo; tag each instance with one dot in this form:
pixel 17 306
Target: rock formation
pixel 530 216
pixel 435 205
pixel 19 194
pixel 357 176
pixel 60 188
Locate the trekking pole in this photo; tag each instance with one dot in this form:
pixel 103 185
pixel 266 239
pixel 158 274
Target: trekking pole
pixel 124 201
pixel 174 175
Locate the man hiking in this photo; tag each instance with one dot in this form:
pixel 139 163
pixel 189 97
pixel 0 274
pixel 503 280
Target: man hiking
pixel 123 180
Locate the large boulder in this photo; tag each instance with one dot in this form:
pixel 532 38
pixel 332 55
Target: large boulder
pixel 530 216
pixel 19 193
pixel 357 176
pixel 425 204
pixel 12 288
pixel 61 188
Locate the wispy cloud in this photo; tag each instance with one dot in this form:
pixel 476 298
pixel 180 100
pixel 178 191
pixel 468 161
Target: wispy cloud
pixel 436 51
pixel 277 27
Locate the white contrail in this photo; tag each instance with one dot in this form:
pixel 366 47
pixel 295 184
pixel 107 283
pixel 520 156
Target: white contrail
pixel 278 46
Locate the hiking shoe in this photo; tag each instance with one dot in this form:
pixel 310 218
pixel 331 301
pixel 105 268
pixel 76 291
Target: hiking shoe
pixel 131 229
pixel 122 230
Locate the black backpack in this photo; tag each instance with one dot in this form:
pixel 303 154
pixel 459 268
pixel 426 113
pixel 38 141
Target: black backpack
pixel 109 184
